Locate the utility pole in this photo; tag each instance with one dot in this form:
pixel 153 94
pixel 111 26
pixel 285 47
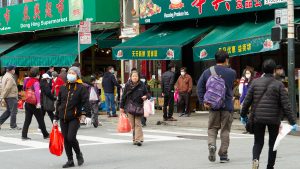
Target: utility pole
pixel 291 54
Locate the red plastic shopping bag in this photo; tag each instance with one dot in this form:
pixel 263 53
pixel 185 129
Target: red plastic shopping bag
pixel 123 124
pixel 56 144
pixel 20 104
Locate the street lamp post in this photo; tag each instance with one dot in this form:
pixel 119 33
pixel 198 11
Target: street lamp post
pixel 291 54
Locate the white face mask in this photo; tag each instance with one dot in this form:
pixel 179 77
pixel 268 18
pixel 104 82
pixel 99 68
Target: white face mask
pixel 143 80
pixel 248 76
pixel 71 78
pixel 182 73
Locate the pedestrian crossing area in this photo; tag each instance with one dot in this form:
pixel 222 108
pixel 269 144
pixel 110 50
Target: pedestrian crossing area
pixel 10 142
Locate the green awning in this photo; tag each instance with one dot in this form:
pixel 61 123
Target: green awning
pixel 162 42
pixel 237 39
pixel 55 51
pixel 5 45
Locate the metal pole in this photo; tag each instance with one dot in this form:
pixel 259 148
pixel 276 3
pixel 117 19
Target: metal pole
pixel 79 59
pixel 291 54
pixel 299 91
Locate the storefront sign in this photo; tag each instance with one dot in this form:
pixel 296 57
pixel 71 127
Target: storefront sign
pixel 147 54
pixel 76 10
pixel 38 15
pixel 236 48
pixel 85 26
pixel 154 11
pixel 270 2
pixel 281 16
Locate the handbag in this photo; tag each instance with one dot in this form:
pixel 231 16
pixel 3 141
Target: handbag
pixel 30 97
pixel 133 109
pixel 48 104
pixel 250 123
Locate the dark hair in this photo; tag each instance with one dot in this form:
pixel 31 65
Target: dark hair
pixel 92 79
pixel 184 69
pixel 279 67
pixel 76 64
pixel 51 67
pixel 171 65
pixel 133 69
pixel 269 66
pixel 221 56
pixel 34 71
pixel 109 67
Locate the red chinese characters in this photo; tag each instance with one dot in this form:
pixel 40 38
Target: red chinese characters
pixel 199 4
pixel 37 11
pixel 7 16
pixel 25 14
pixel 48 10
pixel 239 4
pixel 216 4
pixel 60 7
pixel 248 4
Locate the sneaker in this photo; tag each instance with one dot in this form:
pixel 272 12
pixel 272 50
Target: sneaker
pixel 224 160
pixel 182 114
pixel 138 143
pixel 16 128
pixel 255 164
pixel 212 153
pixel 70 163
pixel 172 119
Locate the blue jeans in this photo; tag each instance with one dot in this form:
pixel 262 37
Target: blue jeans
pixel 110 103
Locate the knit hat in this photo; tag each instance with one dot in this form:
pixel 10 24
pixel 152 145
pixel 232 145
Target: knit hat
pixel 76 70
pixel 10 67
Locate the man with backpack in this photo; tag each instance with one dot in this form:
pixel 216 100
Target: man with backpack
pixel 215 93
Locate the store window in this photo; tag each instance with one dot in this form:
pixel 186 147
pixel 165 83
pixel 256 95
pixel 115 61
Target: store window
pixel 12 2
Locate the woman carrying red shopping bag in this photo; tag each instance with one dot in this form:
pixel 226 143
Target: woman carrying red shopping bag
pixel 135 93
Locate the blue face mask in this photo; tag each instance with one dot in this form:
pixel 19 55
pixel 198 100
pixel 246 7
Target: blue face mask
pixel 71 78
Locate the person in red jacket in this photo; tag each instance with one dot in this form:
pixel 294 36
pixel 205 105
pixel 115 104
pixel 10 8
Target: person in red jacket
pixel 57 82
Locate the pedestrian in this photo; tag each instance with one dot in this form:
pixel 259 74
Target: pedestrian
pixel 268 100
pixel 94 101
pixel 72 99
pixel 279 73
pixel 167 86
pixel 51 69
pixel 109 82
pixel 47 98
pixel 135 92
pixel 184 85
pixel 245 83
pixel 9 95
pixel 219 118
pixel 57 82
pixel 34 109
pixel 63 74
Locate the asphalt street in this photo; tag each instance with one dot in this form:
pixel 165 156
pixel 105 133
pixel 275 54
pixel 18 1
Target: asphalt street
pixel 165 147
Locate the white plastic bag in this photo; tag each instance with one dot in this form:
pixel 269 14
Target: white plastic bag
pixel 149 107
pixel 283 131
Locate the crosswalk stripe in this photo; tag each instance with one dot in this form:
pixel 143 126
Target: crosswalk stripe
pixel 151 137
pixel 28 143
pixel 100 139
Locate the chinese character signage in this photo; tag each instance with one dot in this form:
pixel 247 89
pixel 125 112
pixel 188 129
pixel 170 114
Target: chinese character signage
pixel 76 10
pixel 155 11
pixel 236 48
pixel 147 53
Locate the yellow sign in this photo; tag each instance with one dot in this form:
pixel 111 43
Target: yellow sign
pixel 237 48
pixel 145 53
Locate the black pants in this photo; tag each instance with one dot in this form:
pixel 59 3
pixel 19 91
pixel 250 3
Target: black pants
pixel 29 111
pixel 168 102
pixel 184 102
pixel 69 130
pixel 50 114
pixel 259 135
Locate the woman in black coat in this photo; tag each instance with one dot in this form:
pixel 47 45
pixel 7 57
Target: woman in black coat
pixel 135 93
pixel 47 97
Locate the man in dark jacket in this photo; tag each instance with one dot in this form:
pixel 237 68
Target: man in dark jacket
pixel 268 99
pixel 221 118
pixel 167 86
pixel 109 82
